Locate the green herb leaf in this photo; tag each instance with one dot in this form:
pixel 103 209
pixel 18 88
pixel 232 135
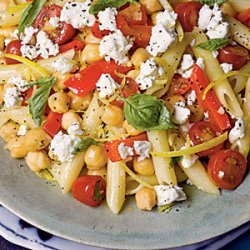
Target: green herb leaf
pixel 214 44
pixel 103 4
pixel 212 2
pixel 146 112
pixel 38 100
pixel 30 14
pixel 83 145
pixel 97 193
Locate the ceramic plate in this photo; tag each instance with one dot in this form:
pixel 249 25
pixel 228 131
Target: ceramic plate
pixel 42 204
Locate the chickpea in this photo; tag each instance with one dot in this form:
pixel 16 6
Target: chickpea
pixel 78 102
pixel 101 172
pixel 36 139
pixel 113 116
pixel 96 157
pixel 9 130
pixel 2 38
pixel 37 161
pixel 59 102
pixel 145 199
pixel 68 118
pixel 90 53
pixel 197 113
pixel 60 79
pixel 140 56
pixel 17 148
pixel 91 39
pixel 151 6
pixel 1 93
pixel 144 167
pixel 133 74
pixel 130 129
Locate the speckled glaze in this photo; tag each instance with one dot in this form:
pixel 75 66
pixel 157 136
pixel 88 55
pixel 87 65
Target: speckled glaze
pixel 42 204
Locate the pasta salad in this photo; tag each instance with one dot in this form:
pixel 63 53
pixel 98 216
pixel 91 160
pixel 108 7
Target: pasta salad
pixel 126 97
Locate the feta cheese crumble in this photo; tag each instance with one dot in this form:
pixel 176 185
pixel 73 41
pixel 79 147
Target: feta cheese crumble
pixel 238 131
pixel 211 21
pixel 23 129
pixel 18 82
pixel 125 151
pixel 142 148
pixel 77 14
pixel 226 67
pixel 62 65
pixel 54 21
pixel 62 146
pixel 27 34
pixel 106 85
pixel 74 129
pixel 149 70
pixel 11 97
pixel 115 46
pixel 191 97
pixel 188 161
pixel 167 18
pixel 107 19
pixel 181 113
pixel 168 194
pixel 215 53
pixel 29 51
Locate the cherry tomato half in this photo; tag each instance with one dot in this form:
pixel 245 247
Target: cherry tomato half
pixel 244 17
pixel 201 132
pixel 179 85
pixel 188 14
pixel 89 190
pixel 227 168
pixel 61 34
pixel 13 48
pixel 234 54
pixel 97 32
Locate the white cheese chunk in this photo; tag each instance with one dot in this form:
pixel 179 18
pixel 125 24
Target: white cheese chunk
pixel 74 129
pixel 142 148
pixel 181 113
pixel 107 19
pixel 238 131
pixel 160 40
pixel 62 65
pixel 226 67
pixel 106 85
pixel 62 146
pixel 115 46
pixel 28 34
pixel 23 129
pixel 221 111
pixel 191 97
pixel 149 70
pixel 54 21
pixel 188 161
pixel 215 53
pixel 29 51
pixel 125 151
pixel 167 18
pixel 77 14
pixel 168 194
pixel 200 63
pixel 205 16
pixel 18 82
pixel 12 97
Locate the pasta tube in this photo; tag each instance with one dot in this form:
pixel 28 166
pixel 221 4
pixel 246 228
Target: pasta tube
pixel 8 19
pixel 241 80
pixel 116 186
pixel 240 5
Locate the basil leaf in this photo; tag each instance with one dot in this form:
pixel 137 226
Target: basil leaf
pixel 97 193
pixel 146 112
pixel 214 44
pixel 103 4
pixel 83 145
pixel 30 14
pixel 212 2
pixel 38 100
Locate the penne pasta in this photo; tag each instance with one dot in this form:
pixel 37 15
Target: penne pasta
pixel 241 81
pixel 240 5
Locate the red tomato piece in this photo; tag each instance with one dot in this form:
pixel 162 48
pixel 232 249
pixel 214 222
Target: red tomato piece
pixel 188 14
pixel 97 32
pixel 227 168
pixel 244 17
pixel 13 48
pixel 201 132
pixel 75 44
pixel 179 85
pixel 199 82
pixel 135 14
pixel 26 95
pixel 85 81
pixel 234 54
pixel 142 34
pixel 89 190
pixel 53 123
pixel 61 34
pixel 112 147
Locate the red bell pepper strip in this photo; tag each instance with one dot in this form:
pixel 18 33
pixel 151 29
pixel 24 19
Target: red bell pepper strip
pixel 53 123
pixel 199 82
pixel 26 96
pixel 112 147
pixel 83 82
pixel 75 44
pixel 97 32
pixel 142 34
